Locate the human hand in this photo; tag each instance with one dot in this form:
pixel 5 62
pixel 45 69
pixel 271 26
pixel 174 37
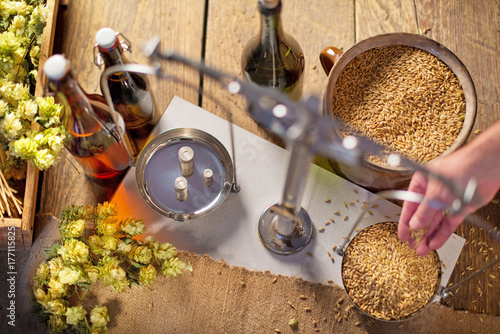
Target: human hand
pixel 475 161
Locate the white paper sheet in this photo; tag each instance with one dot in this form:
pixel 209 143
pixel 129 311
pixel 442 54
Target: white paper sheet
pixel 230 232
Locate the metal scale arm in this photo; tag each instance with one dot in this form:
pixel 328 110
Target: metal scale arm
pixel 306 133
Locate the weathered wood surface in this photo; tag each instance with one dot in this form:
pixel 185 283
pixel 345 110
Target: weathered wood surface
pixel 179 25
pixel 472 30
pixel 468 28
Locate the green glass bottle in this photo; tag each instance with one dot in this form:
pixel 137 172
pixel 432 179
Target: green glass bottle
pixel 273 58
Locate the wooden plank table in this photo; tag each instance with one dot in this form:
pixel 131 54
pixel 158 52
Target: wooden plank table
pixel 216 31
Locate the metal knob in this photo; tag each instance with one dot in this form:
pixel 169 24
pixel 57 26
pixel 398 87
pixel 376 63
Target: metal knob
pixel 181 188
pixel 186 160
pixel 208 177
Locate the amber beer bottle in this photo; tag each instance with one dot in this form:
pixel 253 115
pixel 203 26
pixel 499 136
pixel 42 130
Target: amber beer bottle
pixel 94 139
pixel 130 91
pixel 273 58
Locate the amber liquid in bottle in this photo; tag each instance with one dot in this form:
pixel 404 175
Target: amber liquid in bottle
pixel 131 97
pixel 96 142
pixel 98 149
pixel 273 58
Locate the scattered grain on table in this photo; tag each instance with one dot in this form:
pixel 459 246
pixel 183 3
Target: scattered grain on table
pixel 293 323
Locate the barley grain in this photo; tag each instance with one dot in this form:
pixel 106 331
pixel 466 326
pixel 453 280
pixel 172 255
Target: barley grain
pixel 385 277
pixel 402 97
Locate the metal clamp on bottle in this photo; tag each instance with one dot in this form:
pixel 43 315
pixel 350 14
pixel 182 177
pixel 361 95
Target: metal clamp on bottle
pixel 106 35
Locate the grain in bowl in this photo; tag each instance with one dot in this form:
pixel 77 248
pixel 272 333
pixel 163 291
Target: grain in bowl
pixel 385 278
pixel 402 97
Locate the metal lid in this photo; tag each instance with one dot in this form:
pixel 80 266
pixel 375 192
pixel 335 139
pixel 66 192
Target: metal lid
pixel 158 167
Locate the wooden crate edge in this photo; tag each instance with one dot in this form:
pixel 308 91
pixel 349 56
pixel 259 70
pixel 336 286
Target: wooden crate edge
pixel 29 205
pixel 25 225
pixel 47 43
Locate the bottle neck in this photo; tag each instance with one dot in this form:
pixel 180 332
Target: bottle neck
pixel 74 98
pixel 271 30
pixel 68 87
pixel 113 55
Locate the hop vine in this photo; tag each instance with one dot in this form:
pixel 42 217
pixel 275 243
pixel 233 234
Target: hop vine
pixel 94 247
pixel 21 29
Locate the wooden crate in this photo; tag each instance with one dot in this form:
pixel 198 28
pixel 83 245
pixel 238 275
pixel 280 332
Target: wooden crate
pixel 21 229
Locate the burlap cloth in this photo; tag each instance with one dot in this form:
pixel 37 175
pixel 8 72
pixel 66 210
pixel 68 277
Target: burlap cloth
pixel 217 298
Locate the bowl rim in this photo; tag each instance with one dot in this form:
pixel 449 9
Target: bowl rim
pixel 423 43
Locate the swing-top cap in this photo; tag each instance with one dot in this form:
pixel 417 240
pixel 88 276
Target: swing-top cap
pixel 105 38
pixel 56 67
